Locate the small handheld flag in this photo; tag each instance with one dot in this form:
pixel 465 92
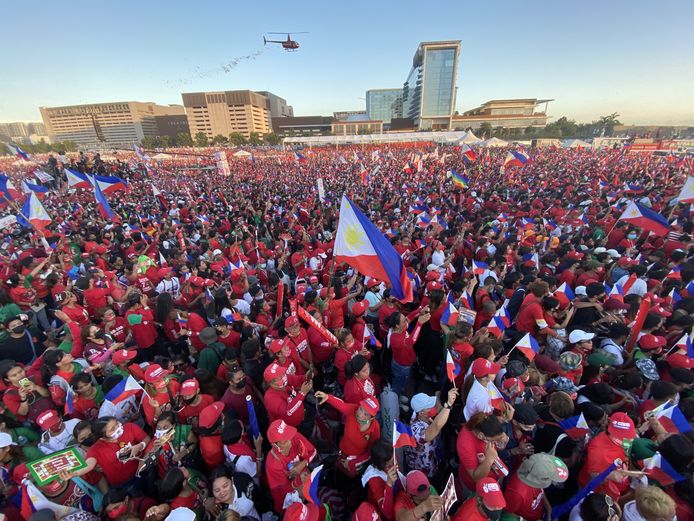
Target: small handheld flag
pixel 402 436
pixel 528 346
pixel 575 427
pixel 452 369
pixel 310 487
pixel 658 468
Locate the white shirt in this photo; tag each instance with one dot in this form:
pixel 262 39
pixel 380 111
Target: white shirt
pixel 374 299
pixel 478 400
pixel 51 443
pixel 172 287
pixel 438 257
pixel 241 306
pixel 244 464
pixel 640 287
pixel 608 345
pixel 124 411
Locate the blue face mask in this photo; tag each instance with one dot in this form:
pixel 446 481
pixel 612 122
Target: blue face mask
pixel 631 236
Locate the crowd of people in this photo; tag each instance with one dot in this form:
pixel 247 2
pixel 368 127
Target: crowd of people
pixel 203 355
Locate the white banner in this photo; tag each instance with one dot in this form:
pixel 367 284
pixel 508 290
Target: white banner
pixel 44 177
pixel 321 190
pixel 222 163
pixel 8 220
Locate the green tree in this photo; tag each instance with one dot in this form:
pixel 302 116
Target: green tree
pixel 608 123
pixel 183 139
pixel 165 141
pixel 200 139
pixel 237 139
pixel 529 131
pixel 219 140
pixel 485 130
pixel 255 139
pixel 148 142
pixel 272 139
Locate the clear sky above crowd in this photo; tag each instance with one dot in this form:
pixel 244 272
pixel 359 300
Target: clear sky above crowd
pixel 593 57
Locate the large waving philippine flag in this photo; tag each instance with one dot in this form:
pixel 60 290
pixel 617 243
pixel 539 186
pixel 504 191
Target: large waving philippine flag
pixel 515 158
pixel 77 179
pixel 124 389
pixel 361 245
pixel 103 206
pixel 33 213
pixel 645 218
pixel 661 471
pixel 687 192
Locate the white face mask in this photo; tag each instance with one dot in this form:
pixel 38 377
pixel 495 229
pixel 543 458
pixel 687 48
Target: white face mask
pixel 118 432
pixel 160 432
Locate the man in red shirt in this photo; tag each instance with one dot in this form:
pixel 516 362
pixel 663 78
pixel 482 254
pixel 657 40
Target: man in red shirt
pixel 531 317
pixel 287 461
pixel 282 401
pixel 297 339
pixel 96 297
pixel 141 321
pixel 604 449
pixel 418 499
pixel 476 447
pixel 487 504
pixel 193 402
pixel 524 490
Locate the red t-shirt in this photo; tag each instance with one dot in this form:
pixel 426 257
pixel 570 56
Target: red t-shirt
pixel 106 455
pixel 96 298
pixel 77 313
pixel 189 414
pixel 529 315
pixel 470 453
pixel 600 454
pixel 469 512
pixel 195 325
pixel 523 500
pixel 277 465
pixel 118 329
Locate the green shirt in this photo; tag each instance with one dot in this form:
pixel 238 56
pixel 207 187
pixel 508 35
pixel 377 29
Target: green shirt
pixel 9 310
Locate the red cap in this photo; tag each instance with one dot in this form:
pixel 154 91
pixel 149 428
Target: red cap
pixel 659 310
pixel 626 261
pixel 301 512
pixel 208 282
pixel 313 279
pixel 432 275
pixel 291 321
pixel 621 427
pixel 679 360
pixel 280 431
pixel 574 255
pixel 123 355
pixel 273 371
pixel 197 281
pixel 100 249
pixel 189 387
pixel 372 283
pixel 20 472
pixel 416 482
pixel 366 512
pixel 431 286
pixel 370 405
pixel 483 367
pixel 154 373
pixel 48 420
pixel 489 490
pixel 210 414
pixel 359 308
pixel 276 345
pixel 164 271
pixel 650 341
pixel 613 303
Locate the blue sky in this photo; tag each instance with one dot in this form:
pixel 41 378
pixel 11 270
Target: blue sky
pixel 593 56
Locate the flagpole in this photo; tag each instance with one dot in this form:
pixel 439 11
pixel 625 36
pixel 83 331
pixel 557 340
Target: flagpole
pixel 14 205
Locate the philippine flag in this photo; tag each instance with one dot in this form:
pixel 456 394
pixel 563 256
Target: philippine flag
pixel 103 206
pixel 7 188
pixel 478 267
pixel 575 427
pixel 674 296
pixel 645 218
pixel 496 326
pixel 402 436
pixel 528 346
pixel 515 158
pixel 69 402
pixel 673 420
pixel 310 487
pixel 368 335
pixel 77 179
pixel 19 152
pixel 124 389
pixel 450 315
pixel 459 179
pixel 33 213
pixel 160 197
pixel 565 290
pixel 469 155
pixel 661 471
pixel 27 187
pixel 452 369
pixel 687 192
pixel 617 292
pixel 466 300
pixel 684 345
pixel 110 184
pixel 361 245
pixel 299 158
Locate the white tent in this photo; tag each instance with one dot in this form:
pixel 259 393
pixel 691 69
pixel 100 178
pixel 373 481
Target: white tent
pixel 575 143
pixel 468 138
pixel 242 153
pixel 493 142
pixel 161 155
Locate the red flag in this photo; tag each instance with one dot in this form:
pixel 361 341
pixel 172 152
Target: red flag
pixel 638 323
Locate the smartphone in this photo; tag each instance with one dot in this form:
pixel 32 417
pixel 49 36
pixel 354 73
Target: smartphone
pixel 24 382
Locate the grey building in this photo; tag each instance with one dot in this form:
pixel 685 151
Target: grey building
pixel 384 104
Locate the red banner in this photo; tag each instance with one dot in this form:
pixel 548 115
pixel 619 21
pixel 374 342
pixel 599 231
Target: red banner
pixel 308 318
pixel 292 306
pixel 638 323
pixel 280 300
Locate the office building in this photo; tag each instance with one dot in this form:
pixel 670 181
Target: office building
pixel 356 126
pixel 506 113
pixel 277 106
pixel 384 104
pixel 301 125
pixel 119 124
pixel 428 94
pixel 343 115
pixel 221 113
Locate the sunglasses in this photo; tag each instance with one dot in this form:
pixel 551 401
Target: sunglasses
pixel 610 504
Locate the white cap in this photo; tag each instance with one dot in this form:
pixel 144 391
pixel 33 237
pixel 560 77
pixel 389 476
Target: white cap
pixel 599 249
pixel 421 401
pixel 579 335
pixel 580 290
pixel 216 252
pixel 613 253
pixel 5 440
pixel 181 514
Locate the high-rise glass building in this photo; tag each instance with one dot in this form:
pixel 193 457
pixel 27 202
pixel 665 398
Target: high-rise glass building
pixel 428 94
pixel 384 104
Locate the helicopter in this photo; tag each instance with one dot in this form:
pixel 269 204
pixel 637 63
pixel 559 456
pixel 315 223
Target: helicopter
pixel 287 45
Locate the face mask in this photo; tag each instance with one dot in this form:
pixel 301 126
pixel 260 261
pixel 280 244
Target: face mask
pixel 117 512
pixel 88 441
pixel 241 384
pixel 259 296
pixel 432 412
pixel 189 400
pixel 494 515
pixel 631 236
pixel 160 432
pixel 19 329
pixel 118 432
pixel 99 334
